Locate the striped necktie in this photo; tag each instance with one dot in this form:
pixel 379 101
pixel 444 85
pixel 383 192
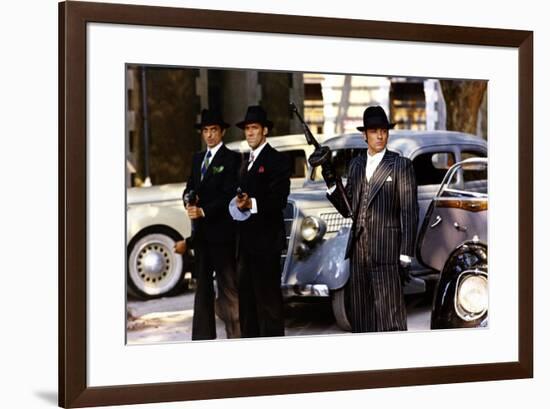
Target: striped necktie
pixel 205 164
pixel 250 160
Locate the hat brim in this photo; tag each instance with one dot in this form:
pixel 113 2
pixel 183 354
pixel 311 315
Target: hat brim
pixel 383 126
pixel 223 125
pixel 242 124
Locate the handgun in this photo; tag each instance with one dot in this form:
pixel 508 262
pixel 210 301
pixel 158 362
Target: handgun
pixel 190 198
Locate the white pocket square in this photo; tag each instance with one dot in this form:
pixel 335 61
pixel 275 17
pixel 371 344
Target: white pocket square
pixel 389 179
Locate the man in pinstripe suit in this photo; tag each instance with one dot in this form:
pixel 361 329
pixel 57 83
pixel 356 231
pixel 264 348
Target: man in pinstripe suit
pixel 381 189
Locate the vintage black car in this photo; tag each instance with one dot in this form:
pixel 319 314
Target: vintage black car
pixel 453 240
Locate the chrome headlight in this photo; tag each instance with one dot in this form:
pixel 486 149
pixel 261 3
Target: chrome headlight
pixel 312 229
pixel 472 296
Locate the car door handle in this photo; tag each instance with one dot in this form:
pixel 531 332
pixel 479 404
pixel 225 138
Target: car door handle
pixel 459 227
pixel 436 222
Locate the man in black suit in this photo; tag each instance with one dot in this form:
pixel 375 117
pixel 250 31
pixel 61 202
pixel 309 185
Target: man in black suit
pixel 213 180
pixel 381 189
pixel 265 183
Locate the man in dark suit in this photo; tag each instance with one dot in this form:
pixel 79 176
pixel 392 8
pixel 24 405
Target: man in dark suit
pixel 381 189
pixel 265 183
pixel 213 180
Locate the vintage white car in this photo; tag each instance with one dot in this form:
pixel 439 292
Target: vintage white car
pixel 156 219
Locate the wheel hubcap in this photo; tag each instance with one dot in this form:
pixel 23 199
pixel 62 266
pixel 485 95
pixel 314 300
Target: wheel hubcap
pixel 151 262
pixel 154 267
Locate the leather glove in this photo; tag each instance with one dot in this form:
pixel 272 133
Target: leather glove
pixel 328 174
pixel 405 272
pixel 320 156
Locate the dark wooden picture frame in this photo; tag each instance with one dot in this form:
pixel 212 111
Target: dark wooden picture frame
pixel 73 388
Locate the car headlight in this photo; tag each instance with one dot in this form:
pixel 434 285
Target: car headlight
pixel 312 229
pixel 472 297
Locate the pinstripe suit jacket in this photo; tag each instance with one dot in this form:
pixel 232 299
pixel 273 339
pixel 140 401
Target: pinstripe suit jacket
pixel 391 215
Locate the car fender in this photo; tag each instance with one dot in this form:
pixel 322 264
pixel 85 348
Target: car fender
pixel 146 215
pixel 468 255
pixel 326 264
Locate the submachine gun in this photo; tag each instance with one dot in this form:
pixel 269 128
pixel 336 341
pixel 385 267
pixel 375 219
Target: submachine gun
pixel 322 157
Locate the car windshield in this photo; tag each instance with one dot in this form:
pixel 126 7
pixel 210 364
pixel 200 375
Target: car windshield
pixel 466 179
pixel 341 159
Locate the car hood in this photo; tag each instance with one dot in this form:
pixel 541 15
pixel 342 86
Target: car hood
pixel 151 194
pixel 313 195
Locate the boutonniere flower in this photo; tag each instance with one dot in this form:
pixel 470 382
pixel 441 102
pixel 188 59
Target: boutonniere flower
pixel 217 169
pixel 261 169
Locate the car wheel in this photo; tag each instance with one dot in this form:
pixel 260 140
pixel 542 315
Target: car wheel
pixel 340 308
pixel 154 269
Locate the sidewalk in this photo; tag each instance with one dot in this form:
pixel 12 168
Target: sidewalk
pixel 168 320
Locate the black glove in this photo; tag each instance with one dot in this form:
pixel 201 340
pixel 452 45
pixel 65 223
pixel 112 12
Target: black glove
pixel 328 174
pixel 320 156
pixel 405 272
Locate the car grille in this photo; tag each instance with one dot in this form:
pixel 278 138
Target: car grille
pixel 335 221
pixel 289 217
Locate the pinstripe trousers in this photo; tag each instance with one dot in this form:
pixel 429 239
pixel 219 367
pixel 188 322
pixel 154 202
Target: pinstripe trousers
pixel 375 296
pixel 376 302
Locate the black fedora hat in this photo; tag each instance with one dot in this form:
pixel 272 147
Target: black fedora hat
pixel 375 117
pixel 255 114
pixel 211 117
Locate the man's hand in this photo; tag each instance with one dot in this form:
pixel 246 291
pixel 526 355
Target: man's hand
pixel 244 202
pixel 328 174
pixel 194 212
pixel 180 247
pixel 405 272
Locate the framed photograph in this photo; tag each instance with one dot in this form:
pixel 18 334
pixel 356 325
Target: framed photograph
pixel 133 81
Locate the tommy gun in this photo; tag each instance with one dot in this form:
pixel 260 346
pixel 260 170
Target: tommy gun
pixel 321 157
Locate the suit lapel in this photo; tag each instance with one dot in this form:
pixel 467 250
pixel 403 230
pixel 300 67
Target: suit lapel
pixel 380 175
pixel 357 178
pixel 359 175
pixel 259 160
pixel 218 158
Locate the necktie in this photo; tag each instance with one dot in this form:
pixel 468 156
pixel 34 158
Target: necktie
pixel 205 164
pixel 250 160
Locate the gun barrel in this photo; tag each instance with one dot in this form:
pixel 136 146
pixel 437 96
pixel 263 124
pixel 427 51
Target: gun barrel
pixel 307 132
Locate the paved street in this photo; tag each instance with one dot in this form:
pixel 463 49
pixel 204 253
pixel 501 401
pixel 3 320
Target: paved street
pixel 169 319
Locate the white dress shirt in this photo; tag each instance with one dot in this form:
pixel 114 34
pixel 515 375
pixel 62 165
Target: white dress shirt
pixel 373 161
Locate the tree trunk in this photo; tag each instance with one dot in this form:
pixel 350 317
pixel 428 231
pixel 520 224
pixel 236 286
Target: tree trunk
pixel 463 100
